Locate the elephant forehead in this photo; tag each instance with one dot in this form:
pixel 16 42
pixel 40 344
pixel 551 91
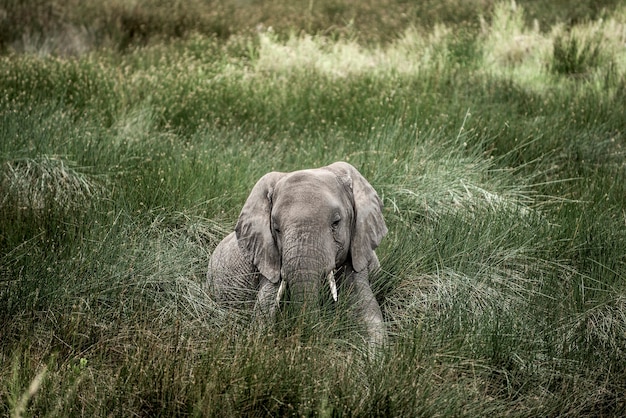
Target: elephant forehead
pixel 310 187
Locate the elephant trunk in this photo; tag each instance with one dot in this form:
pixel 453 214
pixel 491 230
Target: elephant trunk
pixel 305 271
pixel 304 290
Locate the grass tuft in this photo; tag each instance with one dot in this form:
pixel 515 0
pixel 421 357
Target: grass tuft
pixel 46 182
pixel 573 57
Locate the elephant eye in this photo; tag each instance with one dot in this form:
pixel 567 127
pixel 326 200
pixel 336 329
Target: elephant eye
pixel 275 227
pixel 335 224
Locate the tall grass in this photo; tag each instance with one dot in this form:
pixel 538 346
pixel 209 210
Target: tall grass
pixel 75 26
pixel 497 148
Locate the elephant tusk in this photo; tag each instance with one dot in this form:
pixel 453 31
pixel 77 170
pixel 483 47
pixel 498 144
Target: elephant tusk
pixel 333 284
pixel 281 291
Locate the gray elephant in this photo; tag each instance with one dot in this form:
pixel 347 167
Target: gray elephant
pixel 298 230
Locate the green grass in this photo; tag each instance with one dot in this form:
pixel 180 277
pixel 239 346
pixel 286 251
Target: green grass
pixel 496 145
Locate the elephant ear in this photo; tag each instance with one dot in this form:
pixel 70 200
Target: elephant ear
pixel 369 225
pixel 254 235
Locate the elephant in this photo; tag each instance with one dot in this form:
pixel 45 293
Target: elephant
pixel 298 231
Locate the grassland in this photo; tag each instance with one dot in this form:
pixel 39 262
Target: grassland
pixel 493 132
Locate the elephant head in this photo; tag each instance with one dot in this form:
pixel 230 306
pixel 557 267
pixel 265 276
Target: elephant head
pixel 298 228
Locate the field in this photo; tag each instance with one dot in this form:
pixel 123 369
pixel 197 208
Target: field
pixel 494 132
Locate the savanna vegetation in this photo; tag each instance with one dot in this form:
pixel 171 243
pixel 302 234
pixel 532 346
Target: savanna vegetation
pixel 132 132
